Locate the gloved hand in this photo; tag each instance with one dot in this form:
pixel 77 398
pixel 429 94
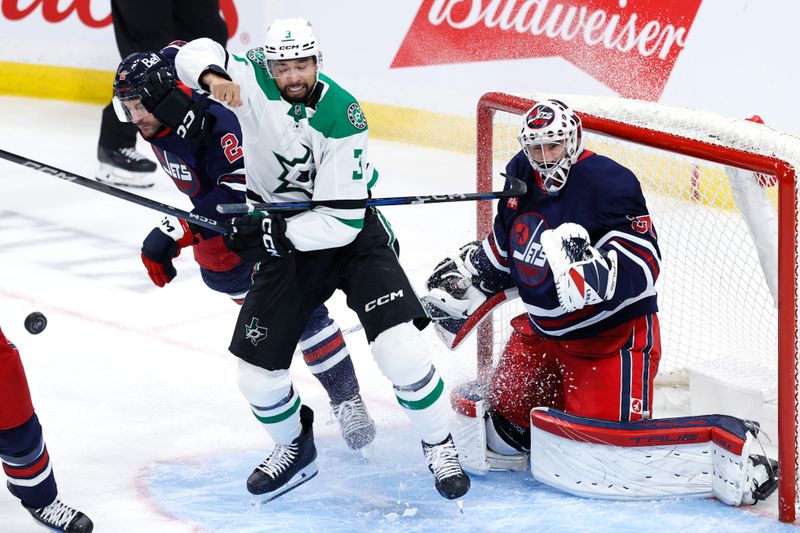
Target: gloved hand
pixel 162 245
pixel 175 108
pixel 583 275
pixel 259 237
pixel 452 293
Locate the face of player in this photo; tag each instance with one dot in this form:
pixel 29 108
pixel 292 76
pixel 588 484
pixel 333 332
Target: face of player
pixel 144 119
pixel 295 78
pixel 547 154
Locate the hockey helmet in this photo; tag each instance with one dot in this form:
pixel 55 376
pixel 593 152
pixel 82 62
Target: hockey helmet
pixel 547 125
pixel 131 75
pixel 291 39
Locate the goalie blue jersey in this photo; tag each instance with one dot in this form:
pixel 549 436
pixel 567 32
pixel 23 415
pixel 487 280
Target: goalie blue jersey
pixel 605 198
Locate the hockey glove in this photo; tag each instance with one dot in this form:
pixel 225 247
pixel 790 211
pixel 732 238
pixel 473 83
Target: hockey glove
pixel 451 293
pixel 176 109
pixel 259 237
pixel 162 245
pixel 583 275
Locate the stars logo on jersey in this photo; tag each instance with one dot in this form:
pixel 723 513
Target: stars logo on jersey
pixel 356 116
pixel 298 173
pixel 256 55
pixel 254 332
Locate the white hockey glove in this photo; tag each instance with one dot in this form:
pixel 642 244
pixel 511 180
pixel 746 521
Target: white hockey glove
pixel 451 291
pixel 583 275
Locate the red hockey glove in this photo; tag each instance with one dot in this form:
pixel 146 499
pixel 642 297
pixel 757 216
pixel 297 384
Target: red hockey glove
pixel 162 245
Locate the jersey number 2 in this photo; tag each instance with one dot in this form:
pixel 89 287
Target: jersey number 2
pixel 230 144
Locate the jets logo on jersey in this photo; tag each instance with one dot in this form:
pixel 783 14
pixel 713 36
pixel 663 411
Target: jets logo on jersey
pixel 529 258
pixel 642 224
pixel 254 332
pixel 298 173
pixel 256 55
pixel 356 116
pixel 540 116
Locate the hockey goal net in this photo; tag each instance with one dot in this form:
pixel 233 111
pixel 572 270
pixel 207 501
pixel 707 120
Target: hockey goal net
pixel 722 195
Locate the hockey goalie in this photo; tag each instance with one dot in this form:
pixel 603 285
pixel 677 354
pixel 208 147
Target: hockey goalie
pixel 572 392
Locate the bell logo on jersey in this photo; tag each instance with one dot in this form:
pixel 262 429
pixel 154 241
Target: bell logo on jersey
pixel 527 253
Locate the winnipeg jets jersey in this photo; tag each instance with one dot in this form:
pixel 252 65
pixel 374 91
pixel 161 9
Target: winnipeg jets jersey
pixel 208 175
pixel 296 152
pixel 606 199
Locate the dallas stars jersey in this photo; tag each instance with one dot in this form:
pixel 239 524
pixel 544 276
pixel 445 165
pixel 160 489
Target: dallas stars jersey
pixel 296 152
pixel 605 198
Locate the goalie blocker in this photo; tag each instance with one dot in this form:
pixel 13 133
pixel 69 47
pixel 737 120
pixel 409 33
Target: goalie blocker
pixel 699 456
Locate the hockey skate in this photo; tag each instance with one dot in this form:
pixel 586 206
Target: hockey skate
pixel 442 458
pixel 288 466
pixel 355 424
pixel 58 516
pixel 125 167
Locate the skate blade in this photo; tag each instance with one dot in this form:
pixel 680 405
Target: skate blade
pixel 460 505
pixel 368 452
pixel 257 500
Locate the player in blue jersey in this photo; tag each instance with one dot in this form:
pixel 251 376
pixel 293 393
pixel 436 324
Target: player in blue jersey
pixel 199 145
pixel 23 452
pixel 580 249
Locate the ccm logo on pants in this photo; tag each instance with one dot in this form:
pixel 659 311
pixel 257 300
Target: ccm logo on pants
pixel 386 298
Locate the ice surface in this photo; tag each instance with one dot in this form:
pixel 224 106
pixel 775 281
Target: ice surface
pixel 135 387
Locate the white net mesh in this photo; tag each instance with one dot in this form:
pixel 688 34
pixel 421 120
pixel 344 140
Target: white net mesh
pixel 717 227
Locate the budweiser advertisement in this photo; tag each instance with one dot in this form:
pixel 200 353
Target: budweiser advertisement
pixel 630 46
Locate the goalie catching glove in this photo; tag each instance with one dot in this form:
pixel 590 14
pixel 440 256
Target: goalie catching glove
pixel 162 245
pixel 259 237
pixel 451 291
pixel 583 275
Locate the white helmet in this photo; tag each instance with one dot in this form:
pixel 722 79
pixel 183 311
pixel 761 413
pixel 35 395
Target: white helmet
pixel 291 39
pixel 551 121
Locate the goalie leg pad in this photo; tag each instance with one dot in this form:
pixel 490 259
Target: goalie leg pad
pixel 470 428
pixel 698 456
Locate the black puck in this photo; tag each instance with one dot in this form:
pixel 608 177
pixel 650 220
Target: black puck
pixel 35 323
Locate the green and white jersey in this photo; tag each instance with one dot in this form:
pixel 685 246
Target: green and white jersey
pixel 295 152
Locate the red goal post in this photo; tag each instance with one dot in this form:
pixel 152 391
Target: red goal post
pixel 689 156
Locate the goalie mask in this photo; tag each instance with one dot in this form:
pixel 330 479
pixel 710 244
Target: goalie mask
pixel 289 39
pixel 551 138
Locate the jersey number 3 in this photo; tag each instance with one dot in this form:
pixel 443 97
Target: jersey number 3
pixel 230 145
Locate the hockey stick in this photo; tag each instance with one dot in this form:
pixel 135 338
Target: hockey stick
pixel 517 188
pixel 113 191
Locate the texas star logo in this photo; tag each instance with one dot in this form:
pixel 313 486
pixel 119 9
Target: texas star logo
pixel 254 332
pixel 256 55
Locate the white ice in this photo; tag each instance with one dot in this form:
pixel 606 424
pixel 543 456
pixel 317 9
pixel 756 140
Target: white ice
pixel 135 389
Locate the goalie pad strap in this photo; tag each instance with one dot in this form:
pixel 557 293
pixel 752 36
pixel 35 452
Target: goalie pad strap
pixel 679 457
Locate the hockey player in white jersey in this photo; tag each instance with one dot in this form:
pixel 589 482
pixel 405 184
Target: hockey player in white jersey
pixel 306 139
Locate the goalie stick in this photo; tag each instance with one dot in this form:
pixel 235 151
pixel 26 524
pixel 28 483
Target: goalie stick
pixel 113 191
pixel 517 188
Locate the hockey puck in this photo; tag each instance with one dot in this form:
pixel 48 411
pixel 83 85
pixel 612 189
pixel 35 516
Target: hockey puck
pixel 35 323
